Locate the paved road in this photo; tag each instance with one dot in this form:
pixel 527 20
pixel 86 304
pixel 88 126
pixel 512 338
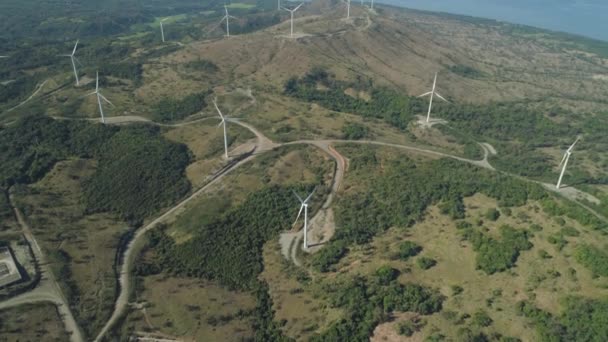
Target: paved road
pixel 47 290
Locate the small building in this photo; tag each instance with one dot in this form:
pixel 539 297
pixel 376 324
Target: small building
pixel 8 268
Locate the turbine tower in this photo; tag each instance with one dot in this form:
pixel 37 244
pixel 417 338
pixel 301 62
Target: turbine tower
pixel 99 98
pixel 565 163
pixel 74 60
pixel 224 124
pixel 347 9
pixel 432 93
pixel 292 12
pixel 372 4
pixel 227 18
pixel 162 31
pixel 304 206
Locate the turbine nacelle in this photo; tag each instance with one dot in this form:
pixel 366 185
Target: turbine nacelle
pixel 100 97
pixel 432 93
pixel 304 207
pixel 222 123
pixel 564 163
pixel 74 61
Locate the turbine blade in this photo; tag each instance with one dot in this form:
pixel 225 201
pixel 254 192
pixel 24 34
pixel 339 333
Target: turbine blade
pixel 300 5
pixel 218 110
pixel 221 123
pixel 97 83
pixel 108 101
pixel 299 213
pixel 309 196
pixel 571 147
pixel 75 47
pixel 298 196
pixel 441 97
pixel 563 159
pixel 78 61
pixel 426 94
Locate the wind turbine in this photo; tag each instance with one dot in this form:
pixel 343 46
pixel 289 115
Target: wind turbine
pixel 304 206
pixel 74 60
pixel 224 124
pixel 162 31
pixel 99 98
pixel 292 12
pixel 432 93
pixel 565 162
pixel 227 18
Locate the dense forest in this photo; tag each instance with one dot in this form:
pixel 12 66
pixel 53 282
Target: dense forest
pixel 138 173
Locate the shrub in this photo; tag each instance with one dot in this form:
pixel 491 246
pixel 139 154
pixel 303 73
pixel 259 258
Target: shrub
pixel 492 214
pixel 408 249
pixel 354 131
pixel 425 263
pixel 481 318
pixel 385 274
pixel 328 256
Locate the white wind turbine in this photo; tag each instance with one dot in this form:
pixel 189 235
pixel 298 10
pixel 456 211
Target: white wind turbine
pixel 162 30
pixel 292 12
pixel 432 93
pixel 304 206
pixel 74 60
pixel 224 124
pixel 99 98
pixel 227 18
pixel 565 163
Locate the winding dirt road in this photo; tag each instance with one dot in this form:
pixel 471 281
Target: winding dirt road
pixel 262 145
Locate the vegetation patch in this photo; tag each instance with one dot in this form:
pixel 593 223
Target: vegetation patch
pixel 139 172
pixel 229 249
pixel 498 255
pixel 593 258
pixel 367 303
pixel 167 109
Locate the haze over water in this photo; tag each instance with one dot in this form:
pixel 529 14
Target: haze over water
pixel 584 17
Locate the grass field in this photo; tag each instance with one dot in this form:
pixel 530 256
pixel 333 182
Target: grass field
pixel 190 309
pixel 40 322
pixel 81 247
